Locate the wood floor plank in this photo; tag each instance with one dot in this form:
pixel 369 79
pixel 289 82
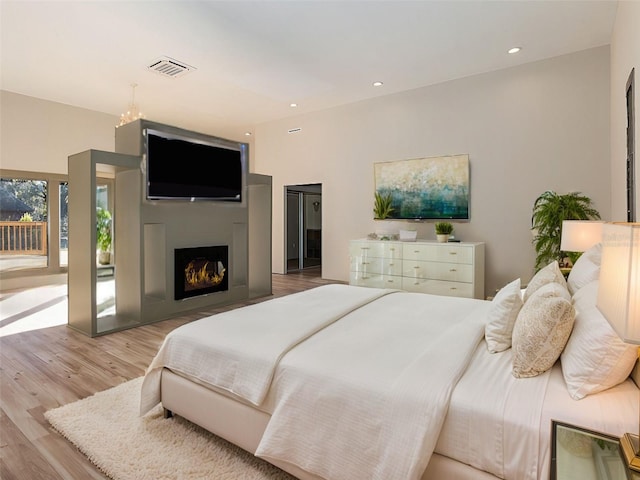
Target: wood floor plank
pixel 45 368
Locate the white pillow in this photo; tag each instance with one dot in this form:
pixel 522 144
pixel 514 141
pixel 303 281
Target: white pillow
pixel 595 358
pixel 502 317
pixel 541 331
pixel 548 274
pixel 586 269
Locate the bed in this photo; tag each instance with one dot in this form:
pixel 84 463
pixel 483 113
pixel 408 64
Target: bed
pixel 345 382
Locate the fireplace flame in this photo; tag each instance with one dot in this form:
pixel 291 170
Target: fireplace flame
pixel 206 275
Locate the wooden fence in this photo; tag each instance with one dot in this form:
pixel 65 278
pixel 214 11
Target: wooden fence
pixel 23 238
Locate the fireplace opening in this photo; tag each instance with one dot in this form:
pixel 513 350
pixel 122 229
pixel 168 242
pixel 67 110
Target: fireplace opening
pixel 201 270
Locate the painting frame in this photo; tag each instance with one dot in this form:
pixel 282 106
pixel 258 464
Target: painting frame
pixel 427 188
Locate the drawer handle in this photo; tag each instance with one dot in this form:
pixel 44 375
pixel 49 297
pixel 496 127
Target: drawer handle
pixel 364 248
pixel 416 267
pixel 453 253
pixel 416 251
pixel 453 288
pixel 391 264
pixel 392 249
pixel 416 283
pixel 366 263
pixel 453 270
pixel 390 281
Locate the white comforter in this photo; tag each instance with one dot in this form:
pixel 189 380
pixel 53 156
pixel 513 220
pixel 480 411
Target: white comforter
pixel 360 378
pixel 238 350
pixel 366 397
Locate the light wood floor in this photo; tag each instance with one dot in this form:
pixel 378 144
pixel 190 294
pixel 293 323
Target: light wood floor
pixel 49 367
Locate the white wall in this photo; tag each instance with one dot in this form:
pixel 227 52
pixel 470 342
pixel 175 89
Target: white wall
pixel 527 129
pixel 38 135
pixel 625 55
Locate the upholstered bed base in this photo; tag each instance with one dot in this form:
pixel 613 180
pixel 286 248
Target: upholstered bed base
pixel 243 425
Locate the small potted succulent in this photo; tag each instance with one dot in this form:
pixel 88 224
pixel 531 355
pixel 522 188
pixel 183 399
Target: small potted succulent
pixel 382 206
pixel 443 231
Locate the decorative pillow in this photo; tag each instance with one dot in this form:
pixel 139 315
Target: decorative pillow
pixel 586 269
pixel 548 274
pixel 541 331
pixel 502 316
pixel 595 358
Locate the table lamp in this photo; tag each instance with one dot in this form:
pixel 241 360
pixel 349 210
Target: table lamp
pixel 580 235
pixel 619 299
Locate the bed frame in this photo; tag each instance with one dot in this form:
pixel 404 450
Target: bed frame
pixel 243 425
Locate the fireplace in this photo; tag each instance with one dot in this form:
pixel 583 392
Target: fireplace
pixel 201 270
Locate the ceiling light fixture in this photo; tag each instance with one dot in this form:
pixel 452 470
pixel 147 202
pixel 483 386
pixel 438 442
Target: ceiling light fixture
pixel 248 134
pixel 377 84
pixel 514 50
pixel 293 105
pixel 132 113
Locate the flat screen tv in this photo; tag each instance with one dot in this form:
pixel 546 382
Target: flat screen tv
pixel 431 188
pixel 182 168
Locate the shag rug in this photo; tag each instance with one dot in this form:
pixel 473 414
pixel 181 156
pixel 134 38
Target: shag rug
pixel 106 427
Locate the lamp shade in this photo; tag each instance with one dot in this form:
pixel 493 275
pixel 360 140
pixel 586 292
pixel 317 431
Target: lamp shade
pixel 580 235
pixel 619 285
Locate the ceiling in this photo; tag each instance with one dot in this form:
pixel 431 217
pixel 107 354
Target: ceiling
pixel 253 59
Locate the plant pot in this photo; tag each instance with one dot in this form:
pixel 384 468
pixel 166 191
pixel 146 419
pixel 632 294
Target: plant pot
pixel 104 258
pixel 442 237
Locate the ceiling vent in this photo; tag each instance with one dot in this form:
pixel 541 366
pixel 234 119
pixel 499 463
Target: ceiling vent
pixel 168 67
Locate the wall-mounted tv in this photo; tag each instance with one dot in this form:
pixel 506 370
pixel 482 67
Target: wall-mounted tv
pixel 426 188
pixel 182 168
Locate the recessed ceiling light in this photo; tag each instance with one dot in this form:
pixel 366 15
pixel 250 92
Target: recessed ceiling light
pixel 293 105
pixel 514 50
pixel 377 84
pixel 248 134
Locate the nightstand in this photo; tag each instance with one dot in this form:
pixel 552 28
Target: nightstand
pixel 581 454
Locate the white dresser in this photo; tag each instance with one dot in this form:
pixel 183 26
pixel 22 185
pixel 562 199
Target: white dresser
pixel 455 269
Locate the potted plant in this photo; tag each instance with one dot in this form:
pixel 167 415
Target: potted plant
pixel 549 210
pixel 382 206
pixel 443 231
pixel 103 238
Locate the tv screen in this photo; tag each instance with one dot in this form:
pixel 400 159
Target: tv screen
pixel 188 169
pixel 434 188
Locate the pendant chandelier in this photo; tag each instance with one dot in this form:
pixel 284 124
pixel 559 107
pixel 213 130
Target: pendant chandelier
pixel 132 112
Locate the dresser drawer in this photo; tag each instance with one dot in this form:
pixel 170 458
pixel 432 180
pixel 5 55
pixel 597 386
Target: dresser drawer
pixel 453 272
pixel 375 280
pixel 391 250
pixel 438 287
pixel 372 265
pixel 449 253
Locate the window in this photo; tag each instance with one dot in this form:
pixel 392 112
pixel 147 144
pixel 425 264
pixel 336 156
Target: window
pixel 33 225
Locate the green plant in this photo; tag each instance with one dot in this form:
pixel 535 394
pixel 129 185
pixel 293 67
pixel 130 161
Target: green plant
pixel 26 217
pixel 382 206
pixel 103 229
pixel 549 210
pixel 443 228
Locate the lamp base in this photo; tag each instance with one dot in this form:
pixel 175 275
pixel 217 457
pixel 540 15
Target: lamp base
pixel 630 445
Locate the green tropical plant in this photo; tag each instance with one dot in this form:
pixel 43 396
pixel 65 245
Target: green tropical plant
pixel 26 217
pixel 443 228
pixel 382 206
pixel 549 210
pixel 103 229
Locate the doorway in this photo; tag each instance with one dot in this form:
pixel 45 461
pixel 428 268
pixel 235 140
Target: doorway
pixel 303 211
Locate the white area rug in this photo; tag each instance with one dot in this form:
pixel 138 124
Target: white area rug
pixel 106 427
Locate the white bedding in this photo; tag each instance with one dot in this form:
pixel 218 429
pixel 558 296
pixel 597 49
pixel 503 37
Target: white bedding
pixel 369 393
pixel 366 383
pixel 238 350
pixel 502 424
